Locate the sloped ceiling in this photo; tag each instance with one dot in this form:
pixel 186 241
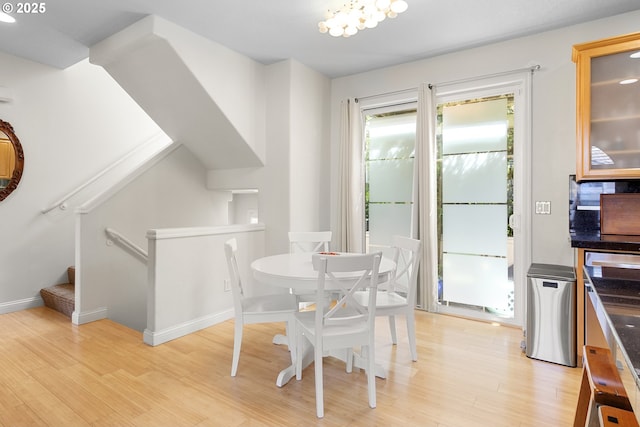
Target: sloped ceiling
pixel 168 72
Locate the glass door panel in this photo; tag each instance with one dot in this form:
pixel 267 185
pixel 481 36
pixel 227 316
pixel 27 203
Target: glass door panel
pixel 389 153
pixel 474 178
pixel 475 200
pixel 477 281
pixel 474 229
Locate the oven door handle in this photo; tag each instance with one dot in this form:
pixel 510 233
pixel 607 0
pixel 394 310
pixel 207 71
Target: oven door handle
pixel 605 263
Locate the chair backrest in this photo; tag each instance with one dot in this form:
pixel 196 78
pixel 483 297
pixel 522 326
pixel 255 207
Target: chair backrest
pixel 230 251
pixel 348 273
pixel 309 241
pixel 407 258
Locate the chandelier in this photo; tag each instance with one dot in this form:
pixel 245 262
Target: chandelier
pixel 360 14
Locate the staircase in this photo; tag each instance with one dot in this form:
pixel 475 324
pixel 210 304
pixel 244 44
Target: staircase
pixel 61 297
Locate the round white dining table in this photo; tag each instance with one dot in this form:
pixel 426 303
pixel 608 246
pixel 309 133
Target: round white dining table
pixel 295 271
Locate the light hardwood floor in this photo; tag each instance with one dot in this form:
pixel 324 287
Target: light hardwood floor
pixel 53 373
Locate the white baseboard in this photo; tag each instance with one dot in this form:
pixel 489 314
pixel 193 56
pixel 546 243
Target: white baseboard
pixel 89 316
pixel 158 337
pixel 22 304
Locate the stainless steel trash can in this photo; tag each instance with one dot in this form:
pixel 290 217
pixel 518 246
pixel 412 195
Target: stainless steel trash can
pixel 551 314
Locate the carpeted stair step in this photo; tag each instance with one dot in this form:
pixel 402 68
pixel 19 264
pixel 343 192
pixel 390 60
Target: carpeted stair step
pixel 61 297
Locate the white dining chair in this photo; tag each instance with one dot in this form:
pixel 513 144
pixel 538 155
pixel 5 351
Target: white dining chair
pixel 304 242
pixel 309 241
pixel 255 309
pixel 398 295
pixel 343 324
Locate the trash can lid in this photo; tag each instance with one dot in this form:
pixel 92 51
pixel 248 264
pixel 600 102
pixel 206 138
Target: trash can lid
pixel 552 271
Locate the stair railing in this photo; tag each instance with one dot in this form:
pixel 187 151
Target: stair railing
pixel 151 147
pixel 114 236
pixel 62 203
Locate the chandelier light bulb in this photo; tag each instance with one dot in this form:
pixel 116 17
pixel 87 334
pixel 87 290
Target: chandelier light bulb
pixel 399 6
pixel 371 23
pixel 336 31
pixel 350 31
pixel 354 17
pixel 358 15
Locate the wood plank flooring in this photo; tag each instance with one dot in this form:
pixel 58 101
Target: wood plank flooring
pixel 53 373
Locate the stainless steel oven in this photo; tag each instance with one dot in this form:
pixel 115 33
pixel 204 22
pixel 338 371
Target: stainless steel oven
pixel 596 329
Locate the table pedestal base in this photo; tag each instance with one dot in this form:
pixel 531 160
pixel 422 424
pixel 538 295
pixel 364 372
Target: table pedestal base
pixel 290 371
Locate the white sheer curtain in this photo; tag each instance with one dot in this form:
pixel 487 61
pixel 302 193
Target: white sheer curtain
pixel 424 218
pixel 351 202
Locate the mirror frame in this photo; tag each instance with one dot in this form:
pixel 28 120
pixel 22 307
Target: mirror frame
pixel 19 166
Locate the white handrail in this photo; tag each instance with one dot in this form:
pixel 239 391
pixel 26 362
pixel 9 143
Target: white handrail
pixel 62 202
pixel 114 236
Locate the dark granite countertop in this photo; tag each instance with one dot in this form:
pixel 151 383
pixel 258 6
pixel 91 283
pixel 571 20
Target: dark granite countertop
pixel 609 242
pixel 618 291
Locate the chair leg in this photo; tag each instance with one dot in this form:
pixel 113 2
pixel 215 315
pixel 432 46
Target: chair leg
pixel 350 357
pixel 371 375
pixel 299 343
pixel 392 328
pixel 411 331
pixel 584 400
pixel 237 343
pixel 319 383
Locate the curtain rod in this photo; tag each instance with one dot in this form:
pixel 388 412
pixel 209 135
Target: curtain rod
pixel 396 92
pixel 532 69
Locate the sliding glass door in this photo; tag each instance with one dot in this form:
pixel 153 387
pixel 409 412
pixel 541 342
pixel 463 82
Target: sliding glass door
pixel 480 152
pixel 475 198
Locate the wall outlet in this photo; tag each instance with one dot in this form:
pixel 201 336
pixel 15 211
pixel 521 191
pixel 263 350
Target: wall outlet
pixel 227 285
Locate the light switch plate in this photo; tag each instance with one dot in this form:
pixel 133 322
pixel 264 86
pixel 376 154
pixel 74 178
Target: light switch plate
pixel 543 208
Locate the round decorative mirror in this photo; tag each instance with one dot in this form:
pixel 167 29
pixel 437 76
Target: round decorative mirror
pixel 11 160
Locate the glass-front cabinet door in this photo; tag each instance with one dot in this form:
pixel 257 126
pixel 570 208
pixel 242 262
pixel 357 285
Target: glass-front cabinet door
pixel 608 108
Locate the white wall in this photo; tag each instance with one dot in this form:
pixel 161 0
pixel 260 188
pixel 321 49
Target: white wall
pixel 308 154
pixel 173 193
pixel 274 193
pixel 554 111
pixel 187 271
pixel 72 123
pixel 234 81
pixel 292 185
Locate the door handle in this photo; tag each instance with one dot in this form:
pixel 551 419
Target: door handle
pixel 514 221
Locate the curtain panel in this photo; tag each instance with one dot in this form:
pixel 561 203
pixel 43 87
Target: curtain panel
pixel 351 188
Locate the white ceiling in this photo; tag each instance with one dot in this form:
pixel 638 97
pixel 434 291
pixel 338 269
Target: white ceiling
pixel 273 30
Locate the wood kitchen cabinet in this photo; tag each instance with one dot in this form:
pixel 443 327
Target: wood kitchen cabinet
pixel 608 108
pixel 7 159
